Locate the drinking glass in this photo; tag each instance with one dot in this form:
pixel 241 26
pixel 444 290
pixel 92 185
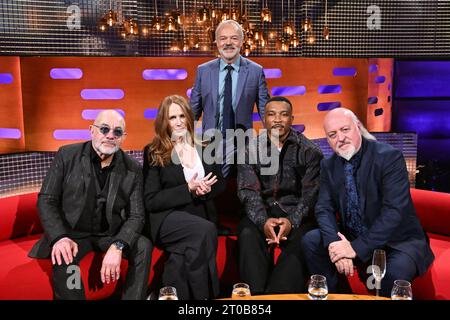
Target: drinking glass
pixel 401 290
pixel 317 288
pixel 241 291
pixel 168 293
pixel 378 268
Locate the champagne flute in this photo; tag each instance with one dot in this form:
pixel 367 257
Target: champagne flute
pixel 168 293
pixel 241 291
pixel 401 290
pixel 378 268
pixel 318 288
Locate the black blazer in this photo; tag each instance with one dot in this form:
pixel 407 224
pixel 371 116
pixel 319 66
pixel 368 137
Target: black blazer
pixel 64 190
pixel 165 190
pixel 385 201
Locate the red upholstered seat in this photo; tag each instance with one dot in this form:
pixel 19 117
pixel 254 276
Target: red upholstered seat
pixel 24 278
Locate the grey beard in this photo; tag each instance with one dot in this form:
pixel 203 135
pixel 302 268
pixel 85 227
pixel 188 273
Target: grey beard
pixel 347 155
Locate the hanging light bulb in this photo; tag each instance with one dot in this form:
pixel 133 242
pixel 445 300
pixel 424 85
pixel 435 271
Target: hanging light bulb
pixel 306 25
pixel 215 13
pixel 256 34
pixel 295 41
pixel 310 38
pixel 156 22
pixel 326 33
pixel 284 45
pixel 170 24
pixel 262 42
pixel 111 18
pixel 266 15
pixel 288 28
pixel 194 41
pixel 103 24
pixel 131 27
pixel 235 14
pixel 247 49
pixel 144 31
pixel 203 14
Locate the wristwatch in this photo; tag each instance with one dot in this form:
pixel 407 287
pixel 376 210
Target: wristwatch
pixel 119 245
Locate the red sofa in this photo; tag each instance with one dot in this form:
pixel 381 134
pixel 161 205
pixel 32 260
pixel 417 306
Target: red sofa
pixel 433 209
pixel 24 278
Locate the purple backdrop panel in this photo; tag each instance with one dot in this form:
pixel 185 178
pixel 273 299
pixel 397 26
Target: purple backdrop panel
pixel 380 79
pixel 164 74
pixel 288 91
pixel 344 72
pixel 150 113
pixel 91 114
pixel 188 92
pixel 373 68
pixel 372 100
pixel 378 112
pixel 72 134
pixel 66 73
pixel 10 133
pixel 273 73
pixel 6 78
pixel 102 94
pixel 333 88
pixel 326 106
pixel 298 127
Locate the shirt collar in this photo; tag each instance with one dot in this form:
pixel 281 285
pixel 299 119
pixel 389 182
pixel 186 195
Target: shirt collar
pixel 235 64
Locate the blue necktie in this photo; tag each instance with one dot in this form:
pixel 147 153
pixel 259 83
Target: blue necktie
pixel 227 122
pixel 353 215
pixel 228 113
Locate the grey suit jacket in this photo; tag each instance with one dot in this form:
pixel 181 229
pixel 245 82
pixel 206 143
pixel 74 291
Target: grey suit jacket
pixel 251 89
pixel 64 190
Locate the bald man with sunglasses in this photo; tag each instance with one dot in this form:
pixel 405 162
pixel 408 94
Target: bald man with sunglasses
pixel 91 200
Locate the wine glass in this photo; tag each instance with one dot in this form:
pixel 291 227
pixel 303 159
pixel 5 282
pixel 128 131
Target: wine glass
pixel 168 293
pixel 378 268
pixel 401 290
pixel 241 291
pixel 318 288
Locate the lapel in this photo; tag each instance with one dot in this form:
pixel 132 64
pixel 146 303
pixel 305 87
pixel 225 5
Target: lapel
pixel 214 80
pixel 337 172
pixel 176 169
pixel 119 174
pixel 242 78
pixel 363 174
pixel 86 165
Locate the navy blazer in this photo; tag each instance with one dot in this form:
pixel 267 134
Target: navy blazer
pixel 385 201
pixel 251 90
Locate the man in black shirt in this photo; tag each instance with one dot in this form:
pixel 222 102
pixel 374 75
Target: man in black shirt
pixel 279 199
pixel 91 199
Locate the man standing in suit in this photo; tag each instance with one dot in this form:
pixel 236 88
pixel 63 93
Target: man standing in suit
pixel 91 200
pixel 279 202
pixel 226 89
pixel 366 183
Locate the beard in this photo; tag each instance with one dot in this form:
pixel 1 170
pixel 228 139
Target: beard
pixel 347 154
pixel 107 150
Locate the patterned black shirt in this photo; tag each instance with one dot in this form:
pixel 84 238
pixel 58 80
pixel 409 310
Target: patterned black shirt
pixel 291 190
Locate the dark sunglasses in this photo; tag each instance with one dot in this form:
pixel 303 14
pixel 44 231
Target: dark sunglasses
pixel 117 132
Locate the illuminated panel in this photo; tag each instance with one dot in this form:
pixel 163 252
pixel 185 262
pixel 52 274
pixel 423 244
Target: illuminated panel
pixel 188 92
pixel 164 74
pixel 10 133
pixel 344 72
pixel 298 127
pixel 373 68
pixel 150 113
pixel 325 89
pixel 372 100
pixel 6 78
pixel 74 134
pixel 380 79
pixel 66 73
pixel 378 112
pixel 272 73
pixel 288 91
pixel 102 94
pixel 91 114
pixel 326 106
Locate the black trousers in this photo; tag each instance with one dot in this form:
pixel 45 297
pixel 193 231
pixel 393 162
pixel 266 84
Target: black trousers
pixel 256 262
pixel 191 245
pixel 136 282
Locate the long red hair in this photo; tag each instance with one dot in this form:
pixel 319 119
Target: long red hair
pixel 161 147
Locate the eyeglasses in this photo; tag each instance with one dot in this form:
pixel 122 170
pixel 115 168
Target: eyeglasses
pixel 117 132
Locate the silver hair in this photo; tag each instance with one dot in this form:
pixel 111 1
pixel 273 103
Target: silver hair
pixel 364 132
pixel 236 25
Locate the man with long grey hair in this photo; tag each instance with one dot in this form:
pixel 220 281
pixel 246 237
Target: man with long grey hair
pixel 366 183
